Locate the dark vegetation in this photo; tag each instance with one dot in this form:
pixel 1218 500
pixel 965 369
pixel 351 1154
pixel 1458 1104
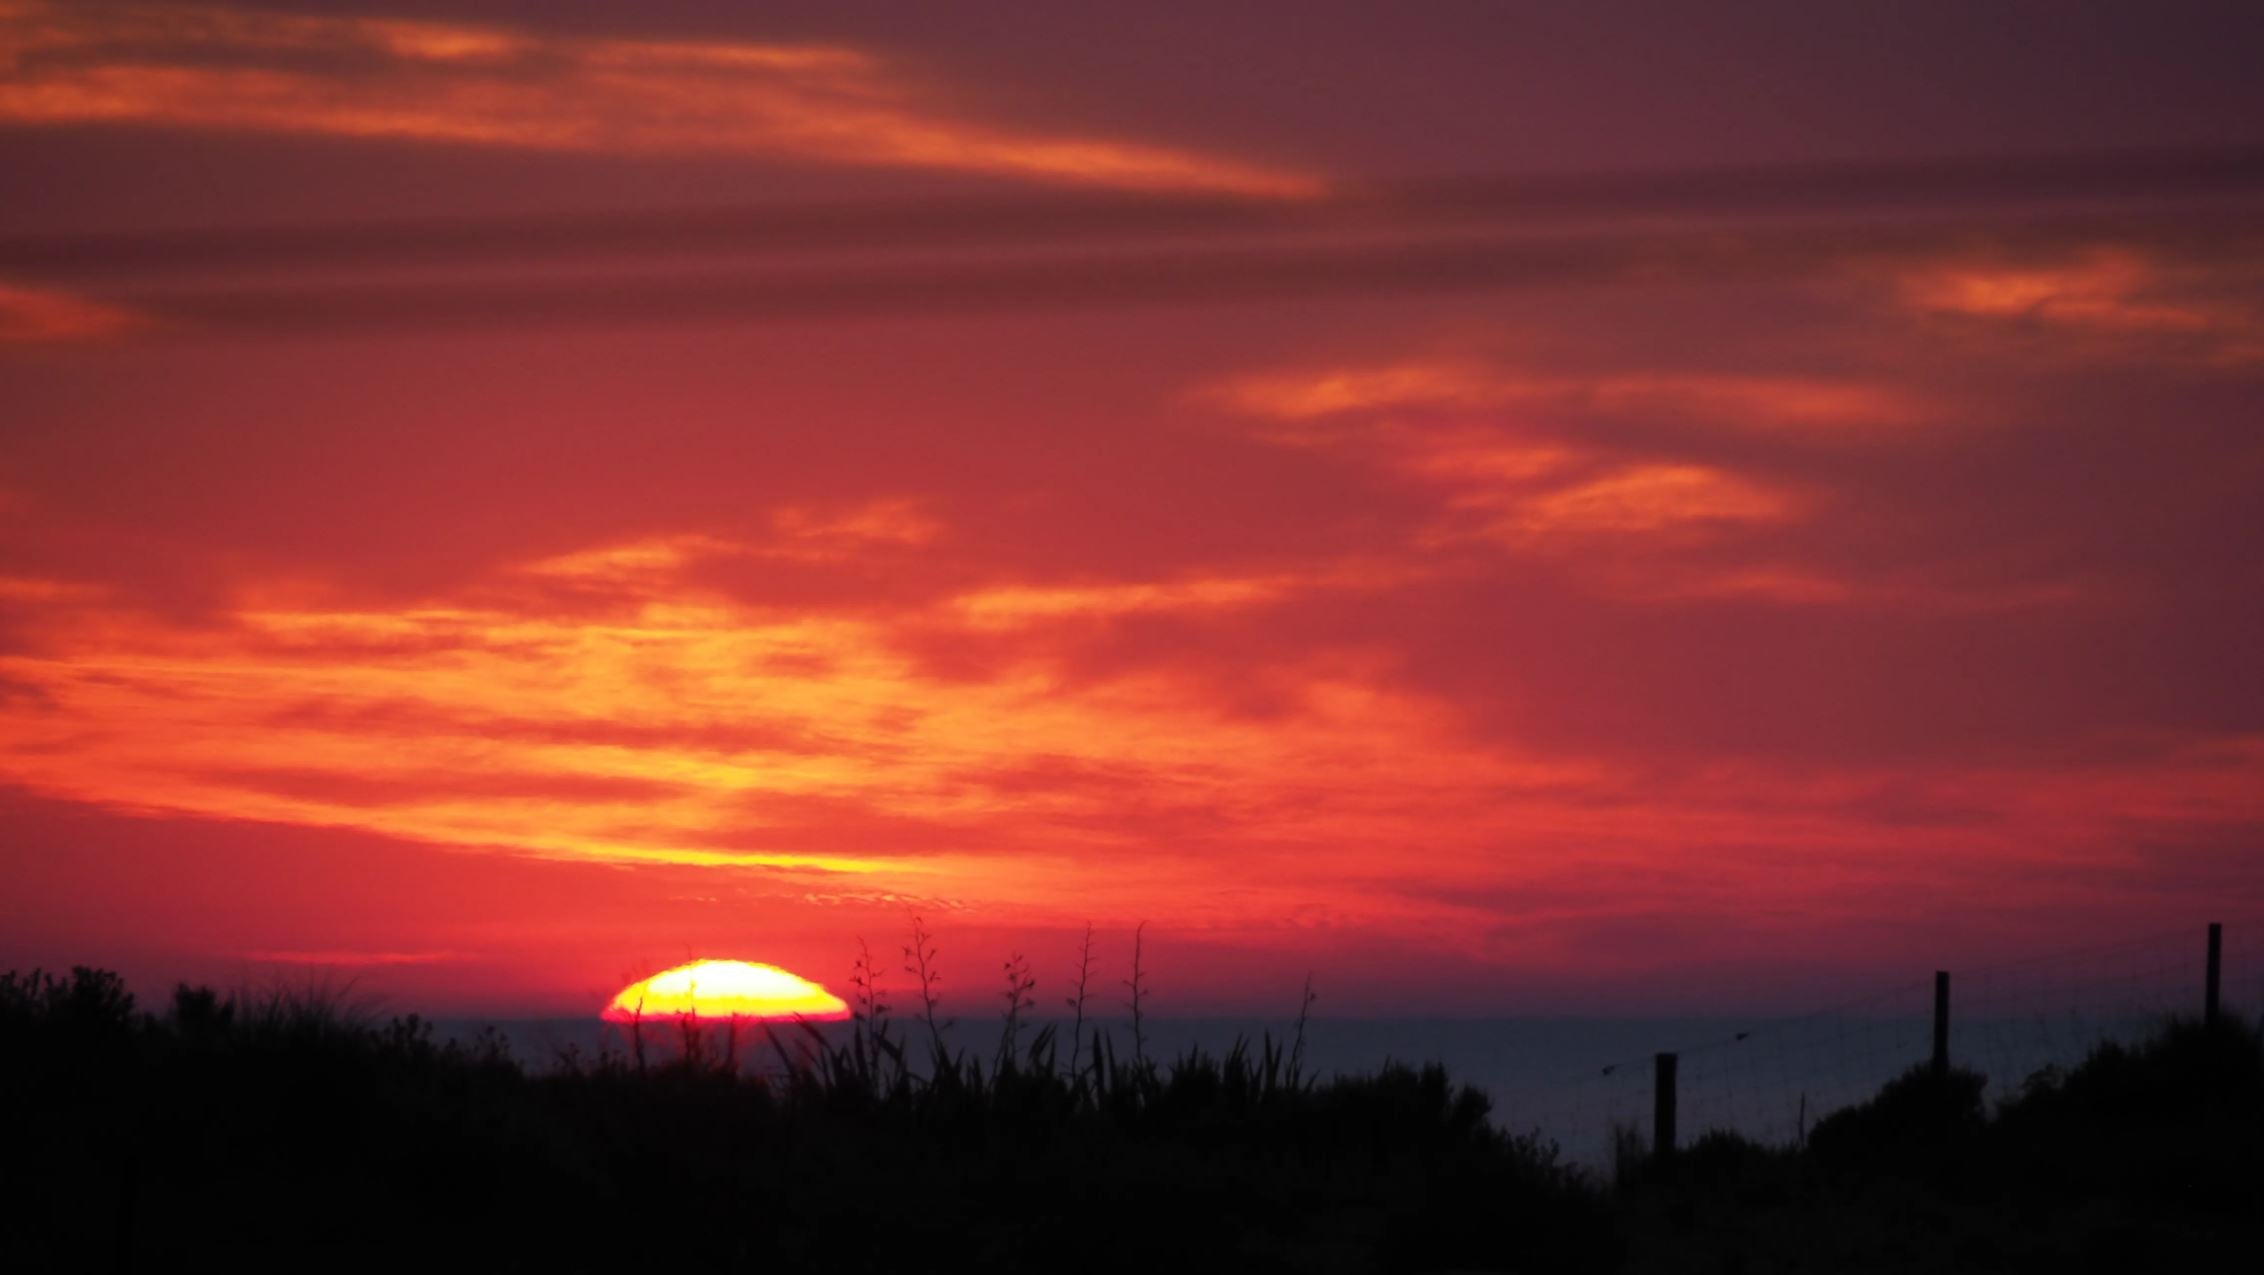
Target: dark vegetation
pixel 286 1130
pixel 2146 1157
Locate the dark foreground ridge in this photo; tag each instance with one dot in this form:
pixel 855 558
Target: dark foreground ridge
pixel 283 1131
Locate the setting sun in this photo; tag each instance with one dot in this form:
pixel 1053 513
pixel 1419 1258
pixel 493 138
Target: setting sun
pixel 725 989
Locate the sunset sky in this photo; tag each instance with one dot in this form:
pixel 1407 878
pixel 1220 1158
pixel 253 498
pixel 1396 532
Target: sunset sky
pixel 1497 506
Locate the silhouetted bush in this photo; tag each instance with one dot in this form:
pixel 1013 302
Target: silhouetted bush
pixel 2141 1157
pixel 288 1129
pixel 292 1128
pixel 1922 1123
pixel 2178 1118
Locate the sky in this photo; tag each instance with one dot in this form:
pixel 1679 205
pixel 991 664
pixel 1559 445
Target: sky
pixel 1495 507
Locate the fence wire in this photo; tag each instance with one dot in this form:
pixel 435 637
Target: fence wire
pixel 1772 1080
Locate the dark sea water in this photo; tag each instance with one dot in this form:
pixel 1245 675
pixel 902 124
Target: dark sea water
pixel 1569 1079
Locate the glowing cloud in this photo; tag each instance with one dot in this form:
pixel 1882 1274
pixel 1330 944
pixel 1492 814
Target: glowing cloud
pixel 199 67
pixel 724 989
pixel 2111 289
pixel 1508 470
pixel 1010 606
pixel 813 752
pixel 43 314
pixel 1734 400
pixel 1651 498
pixel 346 957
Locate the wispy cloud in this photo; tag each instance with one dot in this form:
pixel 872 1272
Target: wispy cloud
pixel 1646 498
pixel 347 957
pixel 46 314
pixel 1482 437
pixel 1016 605
pixel 820 756
pixel 2108 288
pixel 690 729
pixel 806 534
pixel 1740 401
pixel 2106 292
pixel 834 533
pixel 1641 485
pixel 208 67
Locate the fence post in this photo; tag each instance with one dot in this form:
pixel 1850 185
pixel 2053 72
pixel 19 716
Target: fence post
pixel 2209 985
pixel 1662 1105
pixel 1941 1023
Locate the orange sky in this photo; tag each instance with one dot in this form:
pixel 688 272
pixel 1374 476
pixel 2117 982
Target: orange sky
pixel 467 523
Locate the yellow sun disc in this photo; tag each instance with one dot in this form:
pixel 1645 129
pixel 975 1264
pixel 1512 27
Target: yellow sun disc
pixel 725 989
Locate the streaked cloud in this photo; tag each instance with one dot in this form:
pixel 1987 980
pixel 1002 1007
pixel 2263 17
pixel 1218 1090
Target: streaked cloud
pixel 1719 399
pixel 35 589
pixel 209 67
pixel 1650 498
pixel 2114 289
pixel 1639 484
pixel 802 534
pixel 46 314
pixel 691 730
pixel 818 752
pixel 2108 292
pixel 347 957
pixel 1495 446
pixel 1902 591
pixel 832 533
pixel 634 740
pixel 1011 606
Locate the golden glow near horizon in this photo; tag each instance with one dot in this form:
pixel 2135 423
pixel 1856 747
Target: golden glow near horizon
pixel 725 989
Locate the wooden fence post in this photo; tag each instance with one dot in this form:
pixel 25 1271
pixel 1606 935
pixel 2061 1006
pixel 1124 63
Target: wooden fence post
pixel 2209 984
pixel 1941 1023
pixel 1662 1105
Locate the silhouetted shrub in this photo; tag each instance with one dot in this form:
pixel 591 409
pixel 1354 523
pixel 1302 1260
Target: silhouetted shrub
pixel 2178 1118
pixel 89 1003
pixel 294 1127
pixel 1922 1123
pixel 258 1130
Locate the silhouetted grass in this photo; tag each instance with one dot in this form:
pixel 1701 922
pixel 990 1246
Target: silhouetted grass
pixel 287 1129
pixel 292 1129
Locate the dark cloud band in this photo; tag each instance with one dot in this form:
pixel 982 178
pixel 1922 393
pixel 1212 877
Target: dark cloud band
pixel 1072 220
pixel 1104 280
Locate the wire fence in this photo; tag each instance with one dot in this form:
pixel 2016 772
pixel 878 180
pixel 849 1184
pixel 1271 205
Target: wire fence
pixel 1773 1079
